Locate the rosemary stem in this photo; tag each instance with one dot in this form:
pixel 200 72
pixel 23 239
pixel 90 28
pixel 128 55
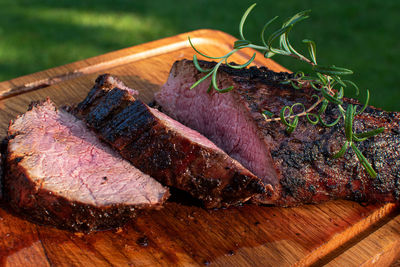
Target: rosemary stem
pixel 258 47
pixel 265 49
pixel 300 114
pixel 341 109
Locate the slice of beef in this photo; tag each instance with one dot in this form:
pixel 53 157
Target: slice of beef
pixel 59 173
pixel 165 149
pixel 299 166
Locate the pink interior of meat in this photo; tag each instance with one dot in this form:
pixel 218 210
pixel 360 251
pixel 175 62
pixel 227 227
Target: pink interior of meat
pixel 219 118
pixel 63 156
pixel 191 134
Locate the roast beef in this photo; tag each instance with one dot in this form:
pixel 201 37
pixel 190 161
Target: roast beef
pixel 59 173
pixel 299 166
pixel 165 149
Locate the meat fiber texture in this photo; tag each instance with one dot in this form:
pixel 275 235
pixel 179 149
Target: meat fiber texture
pixel 165 149
pixel 299 166
pixel 59 173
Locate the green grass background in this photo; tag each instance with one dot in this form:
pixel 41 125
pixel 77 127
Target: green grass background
pixel 360 35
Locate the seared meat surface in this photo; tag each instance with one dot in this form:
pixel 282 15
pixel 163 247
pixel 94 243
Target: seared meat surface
pixel 59 173
pixel 165 149
pixel 299 166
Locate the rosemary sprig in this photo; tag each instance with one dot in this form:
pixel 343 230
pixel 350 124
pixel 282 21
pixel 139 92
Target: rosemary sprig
pixel 326 81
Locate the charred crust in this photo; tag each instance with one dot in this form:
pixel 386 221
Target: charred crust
pixel 358 196
pixel 99 107
pixel 317 155
pixel 39 103
pixel 292 184
pixel 34 104
pixel 18 159
pixel 256 187
pixel 312 189
pixel 131 121
pixel 262 74
pixel 154 104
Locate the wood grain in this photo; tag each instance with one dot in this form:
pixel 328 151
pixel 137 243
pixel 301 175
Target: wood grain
pixel 338 233
pixel 383 247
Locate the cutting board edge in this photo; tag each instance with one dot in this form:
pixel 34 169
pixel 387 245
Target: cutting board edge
pixel 94 64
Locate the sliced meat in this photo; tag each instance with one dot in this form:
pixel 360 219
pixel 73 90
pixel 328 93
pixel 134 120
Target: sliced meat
pixel 299 166
pixel 59 173
pixel 165 149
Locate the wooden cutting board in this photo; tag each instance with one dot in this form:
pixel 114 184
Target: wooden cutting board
pixel 338 233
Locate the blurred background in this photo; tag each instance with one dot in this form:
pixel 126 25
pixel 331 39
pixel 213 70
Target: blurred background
pixel 359 35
